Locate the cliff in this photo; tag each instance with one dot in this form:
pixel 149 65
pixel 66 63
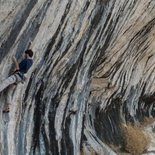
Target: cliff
pixel 93 71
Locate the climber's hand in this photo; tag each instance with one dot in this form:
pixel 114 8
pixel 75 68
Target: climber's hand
pixel 30 45
pixel 14 59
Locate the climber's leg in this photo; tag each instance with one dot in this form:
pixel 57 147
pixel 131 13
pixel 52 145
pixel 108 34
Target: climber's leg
pixel 10 80
pixel 9 94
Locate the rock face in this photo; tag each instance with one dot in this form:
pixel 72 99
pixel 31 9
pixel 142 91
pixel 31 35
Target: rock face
pixel 94 68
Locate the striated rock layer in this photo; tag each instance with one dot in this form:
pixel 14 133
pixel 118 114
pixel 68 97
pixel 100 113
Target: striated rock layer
pixel 94 68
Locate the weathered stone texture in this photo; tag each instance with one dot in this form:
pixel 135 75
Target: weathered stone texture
pixel 93 69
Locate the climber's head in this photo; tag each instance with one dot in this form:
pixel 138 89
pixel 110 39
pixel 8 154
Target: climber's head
pixel 28 53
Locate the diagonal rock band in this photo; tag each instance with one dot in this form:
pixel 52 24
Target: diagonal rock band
pixel 91 88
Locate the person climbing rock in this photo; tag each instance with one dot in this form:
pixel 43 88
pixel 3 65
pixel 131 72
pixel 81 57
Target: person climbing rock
pixel 18 76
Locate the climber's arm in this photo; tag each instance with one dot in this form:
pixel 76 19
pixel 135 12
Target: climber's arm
pixel 16 63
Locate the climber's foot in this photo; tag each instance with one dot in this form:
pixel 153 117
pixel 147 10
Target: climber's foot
pixel 6 110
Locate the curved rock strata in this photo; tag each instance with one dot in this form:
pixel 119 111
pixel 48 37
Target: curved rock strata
pixel 93 70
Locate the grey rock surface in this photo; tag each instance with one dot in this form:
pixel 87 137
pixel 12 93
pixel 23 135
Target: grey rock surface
pixel 94 68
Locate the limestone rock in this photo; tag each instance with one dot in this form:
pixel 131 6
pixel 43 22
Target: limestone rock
pixel 93 69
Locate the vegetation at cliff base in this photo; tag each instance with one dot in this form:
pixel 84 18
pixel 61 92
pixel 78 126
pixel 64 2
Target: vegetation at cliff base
pixel 135 141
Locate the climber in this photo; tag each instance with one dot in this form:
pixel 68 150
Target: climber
pixel 18 76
